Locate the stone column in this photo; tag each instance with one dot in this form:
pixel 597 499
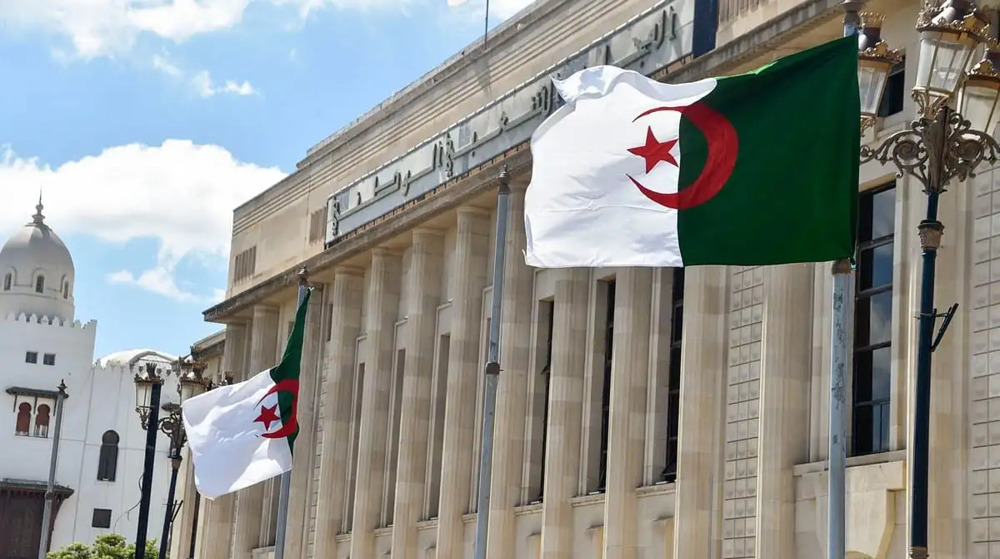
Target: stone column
pixel 464 369
pixel 512 390
pixel 297 527
pixel 786 356
pixel 187 493
pixel 215 522
pixel 250 501
pixel 424 279
pixel 345 327
pixel 629 380
pixel 699 445
pixel 381 311
pixel 562 455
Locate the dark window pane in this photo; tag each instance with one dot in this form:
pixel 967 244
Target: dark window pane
pixel 874 320
pixel 863 430
pixel 884 431
pixel 862 378
pixel 673 403
pixel 895 91
pixel 883 213
pixel 875 268
pixel 677 325
pixel 881 374
pixel 675 369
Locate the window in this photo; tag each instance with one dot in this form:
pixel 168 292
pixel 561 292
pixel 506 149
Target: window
pixel 609 334
pixel 548 313
pixel 873 321
pixel 23 423
pixel 39 284
pixel 107 462
pixel 674 381
pixel 352 462
pixel 42 421
pixel 895 91
pixel 439 396
pixel 8 281
pixel 392 441
pixel 102 518
pixel 65 290
pixel 31 357
pixel 49 359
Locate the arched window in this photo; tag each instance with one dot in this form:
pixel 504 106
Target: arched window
pixel 39 284
pixel 8 280
pixel 65 290
pixel 23 419
pixel 107 463
pixel 42 421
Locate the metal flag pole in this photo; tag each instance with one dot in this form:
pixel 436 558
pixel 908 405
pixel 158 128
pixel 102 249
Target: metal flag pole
pixel 839 351
pixel 50 488
pixel 492 369
pixel 286 478
pixel 486 25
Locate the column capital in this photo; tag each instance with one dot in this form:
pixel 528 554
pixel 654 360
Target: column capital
pixel 343 270
pixel 384 252
pixel 263 309
pixel 423 232
pixel 472 211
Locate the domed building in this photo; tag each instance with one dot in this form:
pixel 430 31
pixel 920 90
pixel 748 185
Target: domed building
pixel 101 442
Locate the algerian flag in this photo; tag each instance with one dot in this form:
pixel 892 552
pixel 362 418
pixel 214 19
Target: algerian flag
pixel 755 169
pixel 243 433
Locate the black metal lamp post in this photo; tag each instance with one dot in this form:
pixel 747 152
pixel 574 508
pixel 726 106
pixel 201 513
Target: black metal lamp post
pixel 190 384
pixel 940 145
pixel 147 405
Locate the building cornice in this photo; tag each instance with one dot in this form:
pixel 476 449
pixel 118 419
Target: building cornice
pixel 787 26
pixel 34 393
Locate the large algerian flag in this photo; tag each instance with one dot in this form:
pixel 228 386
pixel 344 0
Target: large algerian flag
pixel 243 433
pixel 755 169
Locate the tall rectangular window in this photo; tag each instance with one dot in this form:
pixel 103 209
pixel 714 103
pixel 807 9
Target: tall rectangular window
pixel 674 380
pixel 609 336
pixel 873 320
pixel 436 450
pixel 539 408
pixel 392 441
pixel 352 461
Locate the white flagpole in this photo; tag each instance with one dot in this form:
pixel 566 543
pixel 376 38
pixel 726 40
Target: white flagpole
pixel 43 548
pixel 286 478
pixel 492 370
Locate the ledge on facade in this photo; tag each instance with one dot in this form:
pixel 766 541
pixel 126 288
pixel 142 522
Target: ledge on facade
pixel 29 487
pixel 790 24
pixel 657 489
pixel 584 500
pixel 383 531
pixel 430 524
pixel 343 538
pixel 262 552
pixel 853 461
pixel 34 392
pixel 209 346
pixel 532 508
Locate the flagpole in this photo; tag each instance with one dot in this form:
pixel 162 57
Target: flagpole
pixel 492 369
pixel 486 26
pixel 839 352
pixel 286 478
pixel 50 488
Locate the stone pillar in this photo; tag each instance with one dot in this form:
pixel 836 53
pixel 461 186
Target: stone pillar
pixel 297 527
pixel 215 520
pixel 699 448
pixel 250 501
pixel 629 380
pixel 464 369
pixel 345 327
pixel 425 295
pixel 512 390
pixel 187 493
pixel 562 455
pixel 381 311
pixel 786 356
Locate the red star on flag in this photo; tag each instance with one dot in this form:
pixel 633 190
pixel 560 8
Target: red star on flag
pixel 267 416
pixel 655 151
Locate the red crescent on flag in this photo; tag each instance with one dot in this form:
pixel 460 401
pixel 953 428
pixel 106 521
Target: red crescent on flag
pixel 723 145
pixel 287 429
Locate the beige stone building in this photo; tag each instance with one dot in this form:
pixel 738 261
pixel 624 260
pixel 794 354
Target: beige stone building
pixel 642 413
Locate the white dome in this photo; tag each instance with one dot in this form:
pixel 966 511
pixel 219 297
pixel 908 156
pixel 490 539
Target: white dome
pixel 36 272
pixel 129 357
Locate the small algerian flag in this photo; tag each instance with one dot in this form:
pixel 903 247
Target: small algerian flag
pixel 243 433
pixel 754 169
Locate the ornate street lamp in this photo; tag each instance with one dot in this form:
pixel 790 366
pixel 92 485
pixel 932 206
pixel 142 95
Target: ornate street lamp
pixel 940 145
pixel 190 384
pixel 875 60
pixel 147 405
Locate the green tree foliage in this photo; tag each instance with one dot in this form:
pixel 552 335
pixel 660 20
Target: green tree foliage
pixel 107 546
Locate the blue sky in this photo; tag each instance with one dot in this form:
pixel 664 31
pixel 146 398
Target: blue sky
pixel 147 121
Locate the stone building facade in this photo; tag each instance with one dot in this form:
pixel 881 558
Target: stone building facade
pixel 641 412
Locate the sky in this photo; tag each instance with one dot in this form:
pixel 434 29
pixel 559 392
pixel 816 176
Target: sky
pixel 145 122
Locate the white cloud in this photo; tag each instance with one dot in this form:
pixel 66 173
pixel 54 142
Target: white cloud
pixel 98 28
pixel 180 194
pixel 202 82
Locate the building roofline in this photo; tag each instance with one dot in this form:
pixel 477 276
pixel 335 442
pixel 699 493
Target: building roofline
pixel 794 22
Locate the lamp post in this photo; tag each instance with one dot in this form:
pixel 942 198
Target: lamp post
pixel 940 145
pixel 190 384
pixel 147 405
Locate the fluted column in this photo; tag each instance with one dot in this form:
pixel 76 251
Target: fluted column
pixel 562 455
pixel 250 501
pixel 629 380
pixel 464 369
pixel 215 520
pixel 512 390
pixel 345 326
pixel 381 311
pixel 699 444
pixel 786 355
pixel 297 527
pixel 424 280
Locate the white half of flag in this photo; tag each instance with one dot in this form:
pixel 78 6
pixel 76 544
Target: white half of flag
pixel 226 430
